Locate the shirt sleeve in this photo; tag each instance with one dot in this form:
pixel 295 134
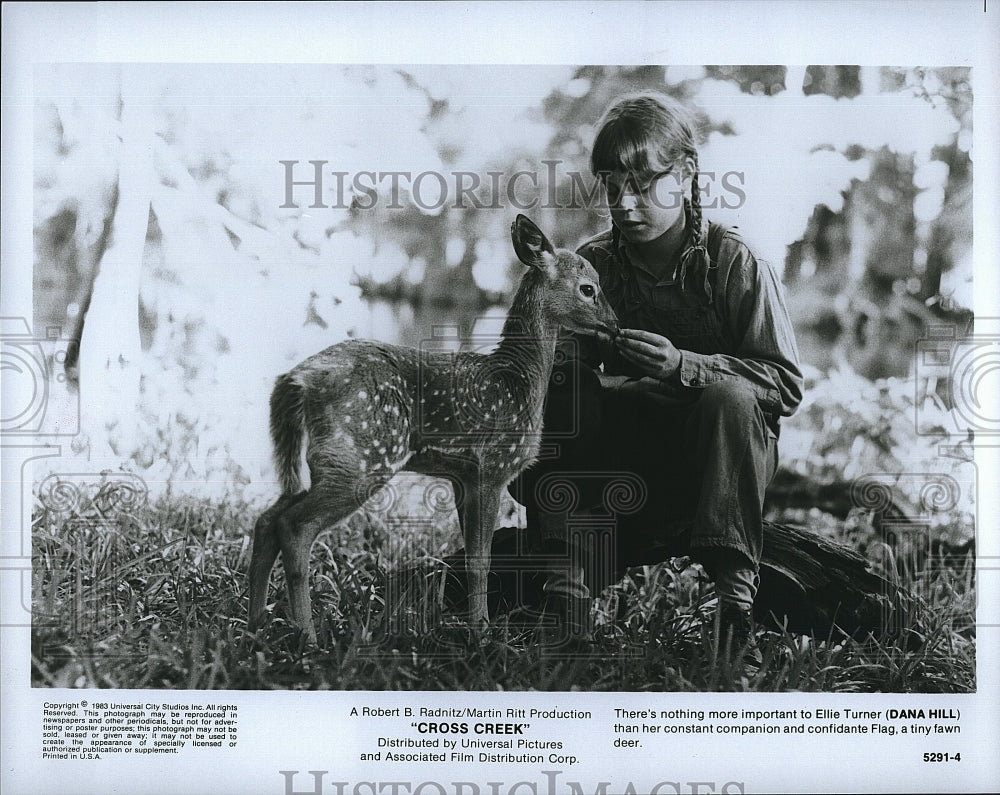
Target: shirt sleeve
pixel 766 356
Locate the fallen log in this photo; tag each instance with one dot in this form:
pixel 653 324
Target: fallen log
pixel 808 584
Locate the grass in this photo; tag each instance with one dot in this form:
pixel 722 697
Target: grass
pixel 153 597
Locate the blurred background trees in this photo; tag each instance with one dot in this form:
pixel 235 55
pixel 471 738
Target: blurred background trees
pixel 162 246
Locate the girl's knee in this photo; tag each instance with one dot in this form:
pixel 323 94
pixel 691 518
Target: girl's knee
pixel 729 396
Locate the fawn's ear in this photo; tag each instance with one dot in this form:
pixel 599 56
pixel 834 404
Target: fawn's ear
pixel 530 243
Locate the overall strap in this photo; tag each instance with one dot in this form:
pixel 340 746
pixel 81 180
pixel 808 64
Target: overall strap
pixel 713 246
pixel 702 260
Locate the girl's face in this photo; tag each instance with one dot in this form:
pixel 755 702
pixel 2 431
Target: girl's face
pixel 646 207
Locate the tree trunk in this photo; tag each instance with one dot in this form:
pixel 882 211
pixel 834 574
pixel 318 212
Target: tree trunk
pixel 109 347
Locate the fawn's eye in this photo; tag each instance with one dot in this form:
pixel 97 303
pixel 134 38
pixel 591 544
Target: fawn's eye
pixel 587 290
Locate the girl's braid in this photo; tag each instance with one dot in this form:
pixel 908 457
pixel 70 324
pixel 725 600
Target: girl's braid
pixel 694 219
pixel 695 257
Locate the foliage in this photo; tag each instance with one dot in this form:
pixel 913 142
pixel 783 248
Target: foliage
pixel 851 431
pixel 234 285
pixel 153 598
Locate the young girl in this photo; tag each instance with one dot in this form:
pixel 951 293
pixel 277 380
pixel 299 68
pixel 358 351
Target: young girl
pixel 685 403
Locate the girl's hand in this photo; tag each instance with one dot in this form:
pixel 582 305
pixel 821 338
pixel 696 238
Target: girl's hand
pixel 654 355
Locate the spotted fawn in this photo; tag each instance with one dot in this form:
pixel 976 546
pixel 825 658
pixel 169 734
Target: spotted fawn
pixel 369 410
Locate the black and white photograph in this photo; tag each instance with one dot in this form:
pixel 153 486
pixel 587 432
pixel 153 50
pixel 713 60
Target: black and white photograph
pixel 616 418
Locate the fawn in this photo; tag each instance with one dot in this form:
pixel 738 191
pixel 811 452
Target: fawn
pixel 370 409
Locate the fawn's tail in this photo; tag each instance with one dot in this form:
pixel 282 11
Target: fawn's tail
pixel 287 428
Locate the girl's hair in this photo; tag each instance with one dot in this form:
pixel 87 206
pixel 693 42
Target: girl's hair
pixel 643 134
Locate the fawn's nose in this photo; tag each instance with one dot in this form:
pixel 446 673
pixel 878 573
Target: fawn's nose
pixel 610 318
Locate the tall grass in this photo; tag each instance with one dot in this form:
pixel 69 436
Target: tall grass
pixel 154 598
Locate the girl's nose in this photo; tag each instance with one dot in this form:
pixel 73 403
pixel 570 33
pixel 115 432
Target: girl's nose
pixel 628 201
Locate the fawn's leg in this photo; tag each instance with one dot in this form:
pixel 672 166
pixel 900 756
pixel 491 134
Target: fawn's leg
pixel 265 550
pixel 324 505
pixel 478 517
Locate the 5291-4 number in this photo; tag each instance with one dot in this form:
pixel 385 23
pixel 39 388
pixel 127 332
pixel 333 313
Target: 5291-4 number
pixel 938 756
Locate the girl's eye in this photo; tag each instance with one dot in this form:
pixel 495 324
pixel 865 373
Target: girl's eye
pixel 587 290
pixel 616 191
